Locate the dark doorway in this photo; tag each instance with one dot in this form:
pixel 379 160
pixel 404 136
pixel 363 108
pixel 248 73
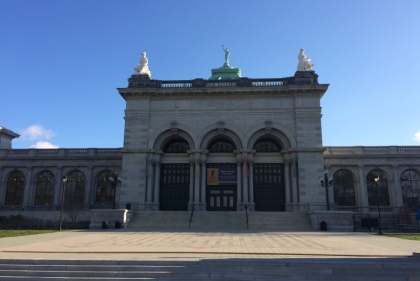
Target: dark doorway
pixel 174 187
pixel 269 187
pixel 221 191
pixel 221 198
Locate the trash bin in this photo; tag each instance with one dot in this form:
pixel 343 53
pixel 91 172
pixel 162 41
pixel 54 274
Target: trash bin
pixel 323 226
pixel 104 225
pixel 117 224
pixel 128 206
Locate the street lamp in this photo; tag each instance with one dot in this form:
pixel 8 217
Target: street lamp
pixel 64 180
pixel 115 181
pixel 379 209
pixel 325 182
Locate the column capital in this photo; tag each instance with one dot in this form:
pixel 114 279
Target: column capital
pixel 361 166
pixel 287 160
pixel 395 166
pixel 202 161
pixel 194 151
pixel 239 160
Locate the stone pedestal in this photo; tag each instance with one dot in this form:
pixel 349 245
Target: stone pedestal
pixel 111 216
pixel 336 220
pixel 225 72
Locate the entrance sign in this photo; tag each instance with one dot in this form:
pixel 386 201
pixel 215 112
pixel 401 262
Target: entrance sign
pixel 221 176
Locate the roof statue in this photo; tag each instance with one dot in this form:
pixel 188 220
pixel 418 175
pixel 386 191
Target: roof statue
pixel 142 67
pixel 227 53
pixel 304 62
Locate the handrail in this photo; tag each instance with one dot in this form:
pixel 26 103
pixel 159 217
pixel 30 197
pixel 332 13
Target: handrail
pixel 246 214
pixel 192 212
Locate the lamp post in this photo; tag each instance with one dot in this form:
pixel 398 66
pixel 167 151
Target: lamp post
pixel 115 181
pixel 64 181
pixel 379 209
pixel 325 182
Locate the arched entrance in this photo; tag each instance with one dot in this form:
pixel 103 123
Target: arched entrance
pixel 174 178
pixel 221 181
pixel 268 176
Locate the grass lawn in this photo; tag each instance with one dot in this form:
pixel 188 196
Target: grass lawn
pixel 413 236
pixel 13 233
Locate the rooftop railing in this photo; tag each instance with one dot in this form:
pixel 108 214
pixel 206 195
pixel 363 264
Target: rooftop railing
pixel 60 152
pixel 371 150
pixel 306 78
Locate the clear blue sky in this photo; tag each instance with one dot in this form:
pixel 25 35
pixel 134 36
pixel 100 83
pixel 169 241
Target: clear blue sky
pixel 61 61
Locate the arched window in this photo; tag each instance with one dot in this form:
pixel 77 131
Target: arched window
pixel 221 145
pixel 343 184
pixel 176 146
pixel 104 190
pixel 44 192
pixel 382 186
pixel 75 188
pixel 15 188
pixel 267 145
pixel 410 189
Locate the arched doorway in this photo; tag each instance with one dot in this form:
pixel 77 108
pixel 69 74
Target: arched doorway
pixel 221 182
pixel 268 182
pixel 175 178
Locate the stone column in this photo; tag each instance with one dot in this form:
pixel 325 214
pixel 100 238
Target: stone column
pixel 149 185
pixel 330 189
pixel 397 200
pixel 156 187
pixel 364 209
pixel 58 186
pixel 191 197
pixel 197 183
pixel 2 186
pixel 251 206
pixel 239 206
pixel 88 190
pixel 28 186
pixel 287 194
pixel 245 180
pixel 203 185
pixel 295 198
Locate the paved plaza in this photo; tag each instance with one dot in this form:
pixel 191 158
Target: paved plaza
pixel 152 244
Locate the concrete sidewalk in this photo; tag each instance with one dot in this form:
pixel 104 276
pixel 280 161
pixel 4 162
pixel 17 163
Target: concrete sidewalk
pixel 153 244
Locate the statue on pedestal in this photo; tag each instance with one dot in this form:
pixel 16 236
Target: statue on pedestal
pixel 227 53
pixel 304 62
pixel 142 67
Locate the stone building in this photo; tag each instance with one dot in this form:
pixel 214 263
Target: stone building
pixel 217 144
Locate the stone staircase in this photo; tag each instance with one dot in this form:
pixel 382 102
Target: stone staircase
pixel 222 269
pixel 278 221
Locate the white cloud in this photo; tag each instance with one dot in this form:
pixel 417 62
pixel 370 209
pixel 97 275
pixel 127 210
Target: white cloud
pixel 43 144
pixel 35 132
pixel 417 136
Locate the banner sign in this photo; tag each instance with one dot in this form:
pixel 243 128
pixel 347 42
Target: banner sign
pixel 221 176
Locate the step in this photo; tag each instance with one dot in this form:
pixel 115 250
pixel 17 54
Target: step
pixel 212 269
pixel 213 220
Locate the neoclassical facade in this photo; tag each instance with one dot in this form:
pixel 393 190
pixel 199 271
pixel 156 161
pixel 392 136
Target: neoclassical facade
pixel 221 144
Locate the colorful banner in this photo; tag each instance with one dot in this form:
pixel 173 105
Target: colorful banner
pixel 221 176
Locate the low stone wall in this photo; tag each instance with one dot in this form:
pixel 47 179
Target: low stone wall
pixel 336 220
pixel 111 216
pixel 45 216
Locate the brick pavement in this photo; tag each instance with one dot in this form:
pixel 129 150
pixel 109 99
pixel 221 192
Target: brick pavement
pixel 107 244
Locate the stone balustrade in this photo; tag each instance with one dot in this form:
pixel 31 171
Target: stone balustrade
pixel 371 150
pixel 140 82
pixel 60 152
